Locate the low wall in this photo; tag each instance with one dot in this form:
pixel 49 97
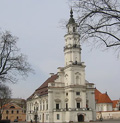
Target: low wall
pixel 108 115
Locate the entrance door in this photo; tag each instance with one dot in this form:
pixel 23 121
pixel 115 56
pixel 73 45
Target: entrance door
pixel 80 118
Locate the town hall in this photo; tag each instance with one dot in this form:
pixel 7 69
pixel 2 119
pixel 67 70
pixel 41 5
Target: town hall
pixel 65 96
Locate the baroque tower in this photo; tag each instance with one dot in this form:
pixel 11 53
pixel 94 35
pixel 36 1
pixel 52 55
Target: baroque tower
pixel 72 48
pixel 65 96
pixel 74 68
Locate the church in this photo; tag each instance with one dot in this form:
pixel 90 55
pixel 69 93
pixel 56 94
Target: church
pixel 65 96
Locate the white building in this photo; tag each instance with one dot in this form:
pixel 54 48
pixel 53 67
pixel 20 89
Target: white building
pixel 105 107
pixel 65 96
pixel 103 101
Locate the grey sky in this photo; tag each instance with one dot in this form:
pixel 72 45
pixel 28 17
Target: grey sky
pixel 37 24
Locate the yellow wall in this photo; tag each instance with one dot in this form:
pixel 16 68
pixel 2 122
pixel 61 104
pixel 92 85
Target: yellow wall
pixel 12 116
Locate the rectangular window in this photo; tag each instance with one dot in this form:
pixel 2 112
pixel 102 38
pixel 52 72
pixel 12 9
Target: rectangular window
pixel 40 117
pixel 43 107
pixel 7 112
pixel 66 106
pixel 47 116
pixel 12 111
pixel 17 112
pixel 57 106
pixel 73 29
pixel 40 107
pixel 46 106
pixel 58 116
pixel 78 105
pixel 77 93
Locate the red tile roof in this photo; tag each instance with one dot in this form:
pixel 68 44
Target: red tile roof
pixel 43 89
pixel 97 93
pixel 115 103
pixel 102 98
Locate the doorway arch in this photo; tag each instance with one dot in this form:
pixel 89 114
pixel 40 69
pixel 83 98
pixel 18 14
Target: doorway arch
pixel 80 118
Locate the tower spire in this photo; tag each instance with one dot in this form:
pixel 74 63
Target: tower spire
pixel 71 13
pixel 71 20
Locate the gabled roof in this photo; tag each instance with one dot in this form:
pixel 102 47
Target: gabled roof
pixel 43 89
pixel 102 97
pixel 10 105
pixel 115 102
pixel 97 93
pixel 45 84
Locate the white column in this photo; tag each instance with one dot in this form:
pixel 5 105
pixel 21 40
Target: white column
pixel 50 105
pixel 71 99
pixel 83 99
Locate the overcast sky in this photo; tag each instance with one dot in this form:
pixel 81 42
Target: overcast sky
pixel 37 23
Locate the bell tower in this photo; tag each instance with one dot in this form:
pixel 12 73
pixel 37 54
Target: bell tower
pixel 72 49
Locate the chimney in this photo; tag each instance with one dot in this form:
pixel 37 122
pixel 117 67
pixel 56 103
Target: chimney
pixel 51 74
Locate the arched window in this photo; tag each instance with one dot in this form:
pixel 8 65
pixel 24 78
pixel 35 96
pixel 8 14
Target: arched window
pixel 40 106
pixel 43 105
pixel 77 80
pixel 73 29
pixel 66 79
pixel 12 107
pixel 47 106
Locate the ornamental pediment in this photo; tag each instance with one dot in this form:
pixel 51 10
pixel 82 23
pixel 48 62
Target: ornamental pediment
pixel 77 73
pixel 78 99
pixel 35 96
pixel 57 100
pixel 66 100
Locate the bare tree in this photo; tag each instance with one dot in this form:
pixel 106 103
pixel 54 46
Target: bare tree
pixel 99 20
pixel 5 95
pixel 12 62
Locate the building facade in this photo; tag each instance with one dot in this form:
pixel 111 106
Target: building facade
pixel 12 112
pixel 65 96
pixel 105 107
pixel 103 101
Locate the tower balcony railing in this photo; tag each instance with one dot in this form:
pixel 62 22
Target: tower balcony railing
pixel 72 46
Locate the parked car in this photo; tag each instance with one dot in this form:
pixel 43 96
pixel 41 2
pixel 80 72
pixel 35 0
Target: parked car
pixel 16 120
